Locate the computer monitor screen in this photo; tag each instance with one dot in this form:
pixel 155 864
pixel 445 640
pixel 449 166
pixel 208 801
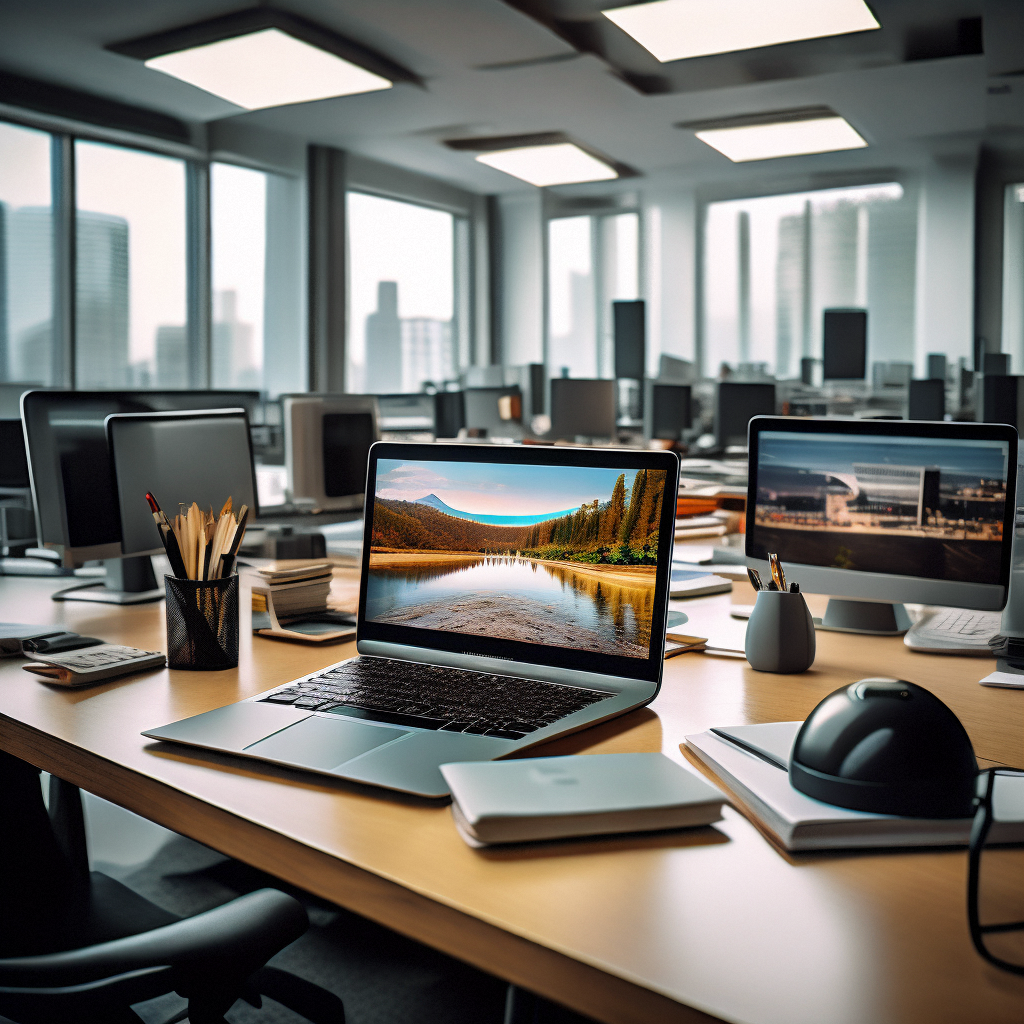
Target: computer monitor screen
pixel 536 557
pixel 667 410
pixel 844 344
pixel 327 442
pixel 179 457
pixel 582 408
pixel 735 405
pixel 13 462
pixel 70 466
pixel 892 511
pixel 482 407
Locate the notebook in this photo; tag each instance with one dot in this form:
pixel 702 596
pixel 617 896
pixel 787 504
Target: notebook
pixel 535 798
pixel 508 595
pixel 799 822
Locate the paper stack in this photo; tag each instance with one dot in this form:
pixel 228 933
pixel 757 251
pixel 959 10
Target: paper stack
pixel 292 593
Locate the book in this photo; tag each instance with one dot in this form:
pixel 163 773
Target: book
pixel 797 822
pixel 696 583
pixel 540 798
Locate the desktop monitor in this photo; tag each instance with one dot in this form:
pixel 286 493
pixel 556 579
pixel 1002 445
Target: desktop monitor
pixel 926 399
pixel 72 476
pixel 1000 399
pixel 13 461
pixel 844 344
pixel 875 514
pixel 483 408
pixel 179 457
pixel 630 333
pixel 735 404
pixel 327 442
pixel 667 410
pixel 582 408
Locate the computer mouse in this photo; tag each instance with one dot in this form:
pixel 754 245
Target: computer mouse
pixel 889 747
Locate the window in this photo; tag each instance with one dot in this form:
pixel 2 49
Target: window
pixel 402 331
pixel 28 352
pixel 256 336
pixel 592 261
pixel 130 291
pixel 773 264
pixel 1013 275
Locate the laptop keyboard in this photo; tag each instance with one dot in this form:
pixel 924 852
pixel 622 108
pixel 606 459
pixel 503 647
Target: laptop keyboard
pixel 431 697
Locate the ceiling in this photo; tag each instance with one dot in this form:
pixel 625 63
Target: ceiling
pixel 503 68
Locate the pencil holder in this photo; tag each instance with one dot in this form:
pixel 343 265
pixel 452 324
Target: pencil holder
pixel 202 623
pixel 780 633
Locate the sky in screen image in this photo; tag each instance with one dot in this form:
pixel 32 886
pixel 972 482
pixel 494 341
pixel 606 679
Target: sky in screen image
pixel 489 489
pixel 819 453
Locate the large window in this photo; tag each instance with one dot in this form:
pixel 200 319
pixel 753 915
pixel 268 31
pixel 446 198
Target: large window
pixel 28 352
pixel 130 292
pixel 401 259
pixel 592 261
pixel 257 339
pixel 773 264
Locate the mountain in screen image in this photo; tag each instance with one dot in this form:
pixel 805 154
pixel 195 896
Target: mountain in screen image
pixel 433 501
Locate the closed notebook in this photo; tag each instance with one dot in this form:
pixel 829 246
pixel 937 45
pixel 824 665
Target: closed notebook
pixel 579 795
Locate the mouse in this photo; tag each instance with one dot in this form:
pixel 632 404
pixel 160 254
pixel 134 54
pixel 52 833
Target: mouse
pixel 886 746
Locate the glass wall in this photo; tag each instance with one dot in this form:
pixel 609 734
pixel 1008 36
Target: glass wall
pixel 28 352
pixel 773 264
pixel 401 312
pixel 592 261
pixel 130 293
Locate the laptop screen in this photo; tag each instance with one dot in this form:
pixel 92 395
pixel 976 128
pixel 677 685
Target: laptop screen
pixel 531 558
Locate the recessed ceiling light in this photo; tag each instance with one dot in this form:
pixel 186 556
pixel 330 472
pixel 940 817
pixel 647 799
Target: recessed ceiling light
pixel 784 133
pixel 267 69
pixel 676 29
pixel 562 163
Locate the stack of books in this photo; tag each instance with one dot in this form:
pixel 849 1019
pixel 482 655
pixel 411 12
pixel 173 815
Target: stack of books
pixel 291 604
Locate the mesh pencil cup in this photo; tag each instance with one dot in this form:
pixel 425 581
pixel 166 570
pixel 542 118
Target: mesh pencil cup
pixel 202 623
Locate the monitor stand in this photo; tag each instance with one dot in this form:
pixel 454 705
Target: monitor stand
pixel 128 581
pixel 877 618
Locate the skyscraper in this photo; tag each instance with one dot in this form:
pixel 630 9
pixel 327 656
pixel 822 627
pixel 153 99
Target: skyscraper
pixel 101 301
pixel 171 356
pixel 384 342
pixel 233 363
pixel 427 351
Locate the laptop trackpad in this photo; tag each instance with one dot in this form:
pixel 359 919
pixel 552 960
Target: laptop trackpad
pixel 322 743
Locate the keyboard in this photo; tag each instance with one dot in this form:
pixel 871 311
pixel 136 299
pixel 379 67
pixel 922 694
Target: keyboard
pixel 433 697
pixel 954 631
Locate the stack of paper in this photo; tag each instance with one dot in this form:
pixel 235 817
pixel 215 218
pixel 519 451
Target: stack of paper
pixel 292 592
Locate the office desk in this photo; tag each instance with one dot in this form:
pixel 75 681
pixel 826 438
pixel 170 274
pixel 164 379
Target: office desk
pixel 708 924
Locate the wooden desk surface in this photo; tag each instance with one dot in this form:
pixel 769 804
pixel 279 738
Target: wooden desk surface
pixel 713 923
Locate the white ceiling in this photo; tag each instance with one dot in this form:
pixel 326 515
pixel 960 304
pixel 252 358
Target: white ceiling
pixel 449 43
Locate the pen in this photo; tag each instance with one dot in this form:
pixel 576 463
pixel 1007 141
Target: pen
pixel 170 541
pixel 227 561
pixel 777 574
pixel 755 579
pixel 750 749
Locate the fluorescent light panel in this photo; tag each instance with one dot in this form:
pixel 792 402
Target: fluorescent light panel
pixel 268 68
pixel 783 138
pixel 560 164
pixel 676 29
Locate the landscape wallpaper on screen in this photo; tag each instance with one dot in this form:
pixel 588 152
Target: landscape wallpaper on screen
pixel 904 506
pixel 564 556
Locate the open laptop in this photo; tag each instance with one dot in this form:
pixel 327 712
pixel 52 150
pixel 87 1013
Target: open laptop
pixel 508 595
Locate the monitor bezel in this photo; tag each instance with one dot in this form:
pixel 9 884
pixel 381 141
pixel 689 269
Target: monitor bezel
pixel 859 584
pixel 550 656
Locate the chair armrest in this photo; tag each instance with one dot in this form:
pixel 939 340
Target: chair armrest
pixel 232 940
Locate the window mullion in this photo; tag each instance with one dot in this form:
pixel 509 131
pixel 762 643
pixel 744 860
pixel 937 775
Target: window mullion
pixel 62 177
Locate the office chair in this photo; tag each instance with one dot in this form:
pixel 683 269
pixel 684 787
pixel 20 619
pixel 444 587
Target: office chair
pixel 80 946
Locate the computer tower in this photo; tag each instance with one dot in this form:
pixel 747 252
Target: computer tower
pixel 926 399
pixel 844 344
pixel 630 332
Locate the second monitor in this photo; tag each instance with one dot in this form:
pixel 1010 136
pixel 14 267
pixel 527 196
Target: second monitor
pixel 582 408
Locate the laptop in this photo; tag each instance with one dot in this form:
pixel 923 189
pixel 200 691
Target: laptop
pixel 508 595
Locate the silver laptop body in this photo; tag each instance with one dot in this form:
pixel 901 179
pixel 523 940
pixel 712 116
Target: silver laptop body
pixel 570 547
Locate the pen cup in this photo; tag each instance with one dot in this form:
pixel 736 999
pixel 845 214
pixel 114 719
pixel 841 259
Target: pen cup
pixel 202 623
pixel 780 633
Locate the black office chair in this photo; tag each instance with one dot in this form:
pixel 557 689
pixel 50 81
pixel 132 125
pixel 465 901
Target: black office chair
pixel 81 947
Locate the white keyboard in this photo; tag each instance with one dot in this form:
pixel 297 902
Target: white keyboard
pixel 953 631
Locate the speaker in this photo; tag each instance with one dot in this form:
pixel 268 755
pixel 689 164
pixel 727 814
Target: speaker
pixel 845 344
pixel 630 327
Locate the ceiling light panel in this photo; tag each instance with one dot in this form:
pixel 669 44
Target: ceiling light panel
pixel 561 164
pixel 677 29
pixel 783 138
pixel 268 68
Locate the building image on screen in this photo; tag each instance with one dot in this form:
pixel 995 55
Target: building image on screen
pixel 911 506
pixel 563 556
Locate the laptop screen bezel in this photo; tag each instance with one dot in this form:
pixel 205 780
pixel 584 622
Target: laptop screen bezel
pixel 647 670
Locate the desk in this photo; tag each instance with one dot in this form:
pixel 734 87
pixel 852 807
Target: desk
pixel 709 924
